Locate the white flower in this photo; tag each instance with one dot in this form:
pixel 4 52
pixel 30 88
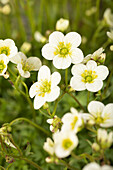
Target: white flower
pixel 108 16
pixel 63 49
pixel 6 9
pixel 8 48
pixel 62 24
pixel 55 124
pixel 26 46
pixel 3 133
pixel 49 146
pixel 39 37
pixel 88 76
pixel 110 34
pixel 95 166
pixel 72 121
pixel 65 142
pixel 3 64
pixel 25 65
pixel 46 88
pixel 4 1
pixel 98 56
pixel 100 114
pixel 104 139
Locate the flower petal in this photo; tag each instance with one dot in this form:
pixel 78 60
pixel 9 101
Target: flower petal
pixel 53 95
pixel 33 89
pixel 48 51
pixel 92 166
pixel 55 79
pixel 78 69
pixel 95 86
pixel 44 73
pixel 77 84
pixel 61 63
pixel 34 63
pixel 74 38
pixel 108 115
pixel 102 72
pixel 39 102
pixel 77 56
pixel 16 59
pixel 56 37
pixel 95 107
pixel 25 74
pixel 91 65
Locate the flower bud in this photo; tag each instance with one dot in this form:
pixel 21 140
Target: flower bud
pixel 55 124
pixel 111 47
pixel 95 147
pixel 6 10
pixel 25 47
pixel 39 37
pixel 45 106
pixel 62 24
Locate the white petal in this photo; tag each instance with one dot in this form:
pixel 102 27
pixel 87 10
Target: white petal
pixel 95 86
pixel 53 95
pixel 77 84
pixel 9 42
pixel 92 166
pixel 108 113
pixel 102 72
pixel 33 89
pixel 48 51
pixel 50 121
pixel 56 37
pixel 22 56
pixel 95 107
pixel 78 69
pixel 60 152
pixel 98 52
pixel 73 110
pixel 91 65
pixel 106 167
pixel 74 38
pixel 39 102
pixel 87 117
pixel 55 79
pixel 13 52
pixel 34 63
pixel 44 73
pixel 61 63
pixel 16 59
pixel 77 56
pixel 25 74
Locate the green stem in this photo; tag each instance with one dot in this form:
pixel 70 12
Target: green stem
pixel 77 101
pixel 108 83
pixel 56 103
pixel 44 113
pixel 98 9
pixel 67 165
pixel 88 97
pixel 82 156
pixel 27 160
pixel 30 122
pixel 66 77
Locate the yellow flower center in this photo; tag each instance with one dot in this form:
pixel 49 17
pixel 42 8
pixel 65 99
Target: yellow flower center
pixel 88 76
pixel 63 50
pixel 74 122
pixel 2 66
pixel 5 50
pixel 99 119
pixel 45 87
pixel 67 143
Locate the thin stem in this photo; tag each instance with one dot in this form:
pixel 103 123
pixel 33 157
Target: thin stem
pixel 43 113
pixel 108 82
pixel 27 160
pixel 67 165
pixel 56 103
pixel 82 156
pixel 97 7
pixel 77 101
pixel 30 122
pixel 88 97
pixel 66 77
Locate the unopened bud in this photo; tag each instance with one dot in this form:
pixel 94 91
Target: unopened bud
pixel 95 147
pixel 25 47
pixel 45 106
pixel 62 24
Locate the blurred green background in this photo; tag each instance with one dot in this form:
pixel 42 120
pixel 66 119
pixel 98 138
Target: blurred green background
pixel 25 18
